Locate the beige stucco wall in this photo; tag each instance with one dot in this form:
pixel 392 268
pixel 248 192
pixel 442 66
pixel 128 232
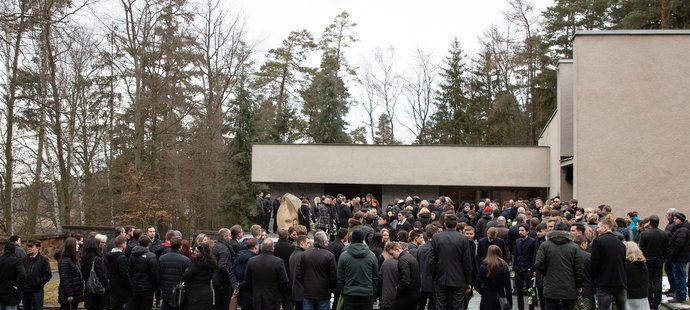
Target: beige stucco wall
pixel 632 120
pixel 565 105
pixel 402 165
pixel 551 137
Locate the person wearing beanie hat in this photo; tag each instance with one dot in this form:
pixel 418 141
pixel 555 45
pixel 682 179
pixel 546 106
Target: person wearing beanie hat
pixel 358 271
pixel 679 249
pixel 12 277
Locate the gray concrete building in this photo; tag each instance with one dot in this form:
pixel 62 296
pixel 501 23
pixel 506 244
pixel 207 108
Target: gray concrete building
pixel 620 136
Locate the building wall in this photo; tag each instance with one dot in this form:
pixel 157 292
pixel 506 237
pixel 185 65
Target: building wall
pixel 409 164
pixel 632 119
pixel 565 105
pixel 551 137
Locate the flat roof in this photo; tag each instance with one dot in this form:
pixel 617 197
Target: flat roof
pixel 442 165
pixel 632 32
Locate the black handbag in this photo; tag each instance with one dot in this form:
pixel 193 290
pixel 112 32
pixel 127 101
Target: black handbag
pixel 178 293
pixel 93 285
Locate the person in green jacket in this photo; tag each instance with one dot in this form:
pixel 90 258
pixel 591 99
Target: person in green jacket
pixel 562 268
pixel 358 270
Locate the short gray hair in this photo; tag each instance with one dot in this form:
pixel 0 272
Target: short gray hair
pixel 267 245
pixel 320 238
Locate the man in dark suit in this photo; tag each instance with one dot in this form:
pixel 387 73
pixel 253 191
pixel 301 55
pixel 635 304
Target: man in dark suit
pixel 283 250
pixel 490 239
pixel 524 253
pixel 451 265
pixel 653 243
pixel 267 278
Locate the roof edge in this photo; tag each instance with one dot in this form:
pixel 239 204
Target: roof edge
pixel 633 32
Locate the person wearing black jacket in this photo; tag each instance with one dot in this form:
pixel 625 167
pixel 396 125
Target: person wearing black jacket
pixel 266 277
pixel 283 250
pixel 317 274
pixel 427 282
pixel 344 214
pixel 244 297
pixel 171 266
pixel 490 239
pixel 336 247
pixel 224 255
pixel 38 274
pixel 451 265
pixel 524 253
pixel 607 267
pixel 12 277
pixel 199 293
pixel 117 266
pixel 409 280
pixel 679 252
pixel 91 257
pixel 71 289
pixel 143 270
pixel 653 243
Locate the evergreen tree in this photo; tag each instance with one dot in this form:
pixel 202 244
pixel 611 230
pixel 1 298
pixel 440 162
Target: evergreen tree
pixel 384 133
pixel 325 104
pixel 645 14
pixel 455 118
pixel 566 16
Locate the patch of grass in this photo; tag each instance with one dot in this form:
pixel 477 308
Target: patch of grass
pixel 50 295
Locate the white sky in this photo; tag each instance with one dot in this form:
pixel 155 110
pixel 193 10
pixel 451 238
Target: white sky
pixel 404 25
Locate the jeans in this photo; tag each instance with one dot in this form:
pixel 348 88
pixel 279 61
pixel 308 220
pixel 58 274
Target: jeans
pixel 523 281
pixel 654 286
pixel 8 307
pixel 560 304
pixel 607 296
pixel 668 268
pixel 32 300
pixel 450 297
pixel 678 272
pixel 313 304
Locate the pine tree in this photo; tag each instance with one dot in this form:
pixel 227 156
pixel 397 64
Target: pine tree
pixel 567 16
pixel 325 104
pixel 384 133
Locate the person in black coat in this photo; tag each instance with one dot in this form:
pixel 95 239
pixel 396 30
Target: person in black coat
pixel 493 280
pixel 199 293
pixel 143 270
pixel 451 265
pixel 265 274
pixel 336 247
pixel 12 277
pixel 283 250
pixel 607 267
pixel 224 254
pixel 304 214
pixel 524 253
pixel 38 274
pixel 171 266
pixel 427 282
pixel 71 290
pixel 409 280
pixel 117 266
pixel 490 239
pixel 316 272
pixel 653 243
pixel 244 297
pixel 91 257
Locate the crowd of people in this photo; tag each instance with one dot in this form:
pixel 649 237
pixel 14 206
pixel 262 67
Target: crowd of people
pixel 409 254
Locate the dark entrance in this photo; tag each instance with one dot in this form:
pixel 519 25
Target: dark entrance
pixel 353 190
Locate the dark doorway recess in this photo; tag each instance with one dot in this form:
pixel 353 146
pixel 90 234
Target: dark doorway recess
pixel 353 190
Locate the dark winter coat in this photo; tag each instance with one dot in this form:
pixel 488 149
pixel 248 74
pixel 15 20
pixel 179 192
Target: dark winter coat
pixel 679 245
pixel 524 253
pixel 358 270
pixel 344 214
pixel 143 270
pixel 638 280
pixel 451 261
pixel 316 273
pixel 492 287
pixel 199 292
pixel 654 243
pixel 304 215
pixel 608 262
pixel 37 273
pixel 423 258
pixel 91 300
pixel 117 266
pixel 561 267
pixel 266 274
pixel 483 248
pixel 225 256
pixel 171 266
pixel 71 281
pixel 409 281
pixel 11 275
pixel 283 250
pixel 297 287
pixel 336 247
pixel 244 298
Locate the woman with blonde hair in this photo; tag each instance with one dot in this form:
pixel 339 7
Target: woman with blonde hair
pixel 493 281
pixel 638 281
